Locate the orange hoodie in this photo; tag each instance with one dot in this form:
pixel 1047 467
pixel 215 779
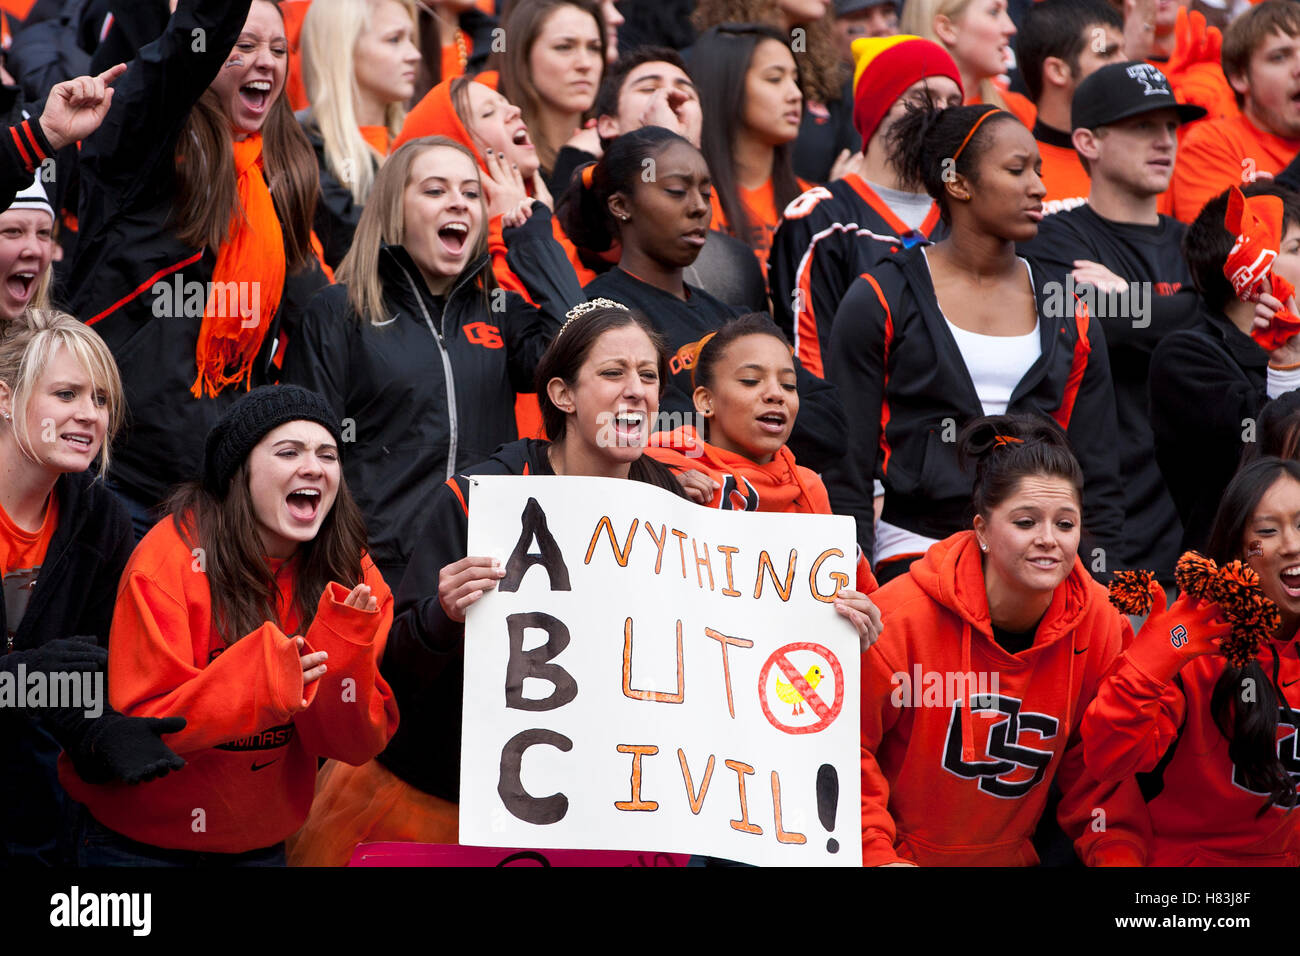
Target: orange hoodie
pixel 1202 814
pixel 945 783
pixel 743 485
pixel 250 746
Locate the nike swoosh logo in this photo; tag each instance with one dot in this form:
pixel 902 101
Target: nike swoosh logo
pixel 1288 683
pixel 1081 650
pixel 262 766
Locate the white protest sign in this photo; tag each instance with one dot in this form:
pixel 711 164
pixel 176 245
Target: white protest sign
pixel 654 675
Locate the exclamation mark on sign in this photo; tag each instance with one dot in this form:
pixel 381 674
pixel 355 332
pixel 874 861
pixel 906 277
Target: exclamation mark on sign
pixel 828 800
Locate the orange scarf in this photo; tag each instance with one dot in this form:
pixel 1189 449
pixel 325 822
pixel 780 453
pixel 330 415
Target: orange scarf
pixel 250 262
pixel 779 486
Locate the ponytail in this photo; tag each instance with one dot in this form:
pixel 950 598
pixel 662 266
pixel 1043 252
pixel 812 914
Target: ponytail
pixel 1007 448
pixel 583 210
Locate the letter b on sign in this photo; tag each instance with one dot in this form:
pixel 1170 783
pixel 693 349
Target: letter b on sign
pixel 535 663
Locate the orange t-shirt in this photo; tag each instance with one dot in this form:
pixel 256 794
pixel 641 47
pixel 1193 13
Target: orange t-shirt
pixel 377 137
pixel 21 554
pixel 452 66
pixel 760 206
pixel 1216 154
pixel 1063 175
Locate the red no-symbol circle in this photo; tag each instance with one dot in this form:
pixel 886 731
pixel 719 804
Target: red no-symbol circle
pixel 825 715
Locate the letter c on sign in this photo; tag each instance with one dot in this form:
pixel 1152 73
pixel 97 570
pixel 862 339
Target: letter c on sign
pixel 521 803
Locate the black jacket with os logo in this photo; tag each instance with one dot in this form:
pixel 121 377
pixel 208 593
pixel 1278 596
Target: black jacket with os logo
pixel 431 388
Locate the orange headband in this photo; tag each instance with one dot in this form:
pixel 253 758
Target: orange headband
pixel 972 133
pixel 999 440
pixel 689 354
pixel 586 174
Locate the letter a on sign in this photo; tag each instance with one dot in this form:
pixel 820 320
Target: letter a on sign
pixel 548 554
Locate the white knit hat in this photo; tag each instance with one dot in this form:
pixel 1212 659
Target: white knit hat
pixel 33 197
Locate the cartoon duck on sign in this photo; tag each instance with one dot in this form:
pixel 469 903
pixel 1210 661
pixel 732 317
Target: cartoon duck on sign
pixel 789 695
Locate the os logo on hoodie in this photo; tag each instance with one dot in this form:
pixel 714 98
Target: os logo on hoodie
pixel 1014 768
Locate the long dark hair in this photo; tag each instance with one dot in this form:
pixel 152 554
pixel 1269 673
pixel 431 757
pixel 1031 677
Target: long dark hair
pixel 523 23
pixel 719 62
pixel 583 209
pixel 206 197
pixel 1278 430
pixel 924 142
pixel 243 588
pixel 1250 726
pixel 563 359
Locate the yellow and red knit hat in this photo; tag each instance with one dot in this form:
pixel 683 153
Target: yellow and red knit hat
pixel 883 69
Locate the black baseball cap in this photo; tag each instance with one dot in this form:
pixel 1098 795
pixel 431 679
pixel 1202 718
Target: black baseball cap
pixel 1120 90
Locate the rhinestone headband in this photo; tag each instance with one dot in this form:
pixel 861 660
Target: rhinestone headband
pixel 582 308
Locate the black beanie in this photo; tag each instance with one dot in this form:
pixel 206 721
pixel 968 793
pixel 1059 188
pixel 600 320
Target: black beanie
pixel 247 421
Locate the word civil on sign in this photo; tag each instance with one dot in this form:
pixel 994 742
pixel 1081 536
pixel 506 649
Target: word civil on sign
pixel 657 676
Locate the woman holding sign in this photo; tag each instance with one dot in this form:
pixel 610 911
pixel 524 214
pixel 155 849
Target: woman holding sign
pixel 972 700
pixel 747 397
pixel 598 386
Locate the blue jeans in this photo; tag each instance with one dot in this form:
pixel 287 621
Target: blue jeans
pixel 97 845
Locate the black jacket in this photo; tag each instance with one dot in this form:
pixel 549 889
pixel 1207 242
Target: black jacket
pixel 819 431
pixel 1208 385
pixel 24 149
pixel 337 213
pixel 74 595
pixel 432 389
pixel 49 51
pixel 899 370
pixel 127 249
pixel 1149 258
pixel 828 237
pixel 422 660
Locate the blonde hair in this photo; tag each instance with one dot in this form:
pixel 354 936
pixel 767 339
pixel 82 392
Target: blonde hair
pixel 384 221
pixel 28 343
pixel 918 19
pixel 330 31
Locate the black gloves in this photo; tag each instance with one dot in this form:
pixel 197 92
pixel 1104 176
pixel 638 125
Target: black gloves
pixel 117 747
pixel 64 654
pixel 111 746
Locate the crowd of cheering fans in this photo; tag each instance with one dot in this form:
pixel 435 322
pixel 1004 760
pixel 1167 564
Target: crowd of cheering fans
pixel 1008 282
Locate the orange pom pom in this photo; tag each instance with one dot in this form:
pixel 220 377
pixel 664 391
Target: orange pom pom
pixel 1253 616
pixel 1130 591
pixel 1194 574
